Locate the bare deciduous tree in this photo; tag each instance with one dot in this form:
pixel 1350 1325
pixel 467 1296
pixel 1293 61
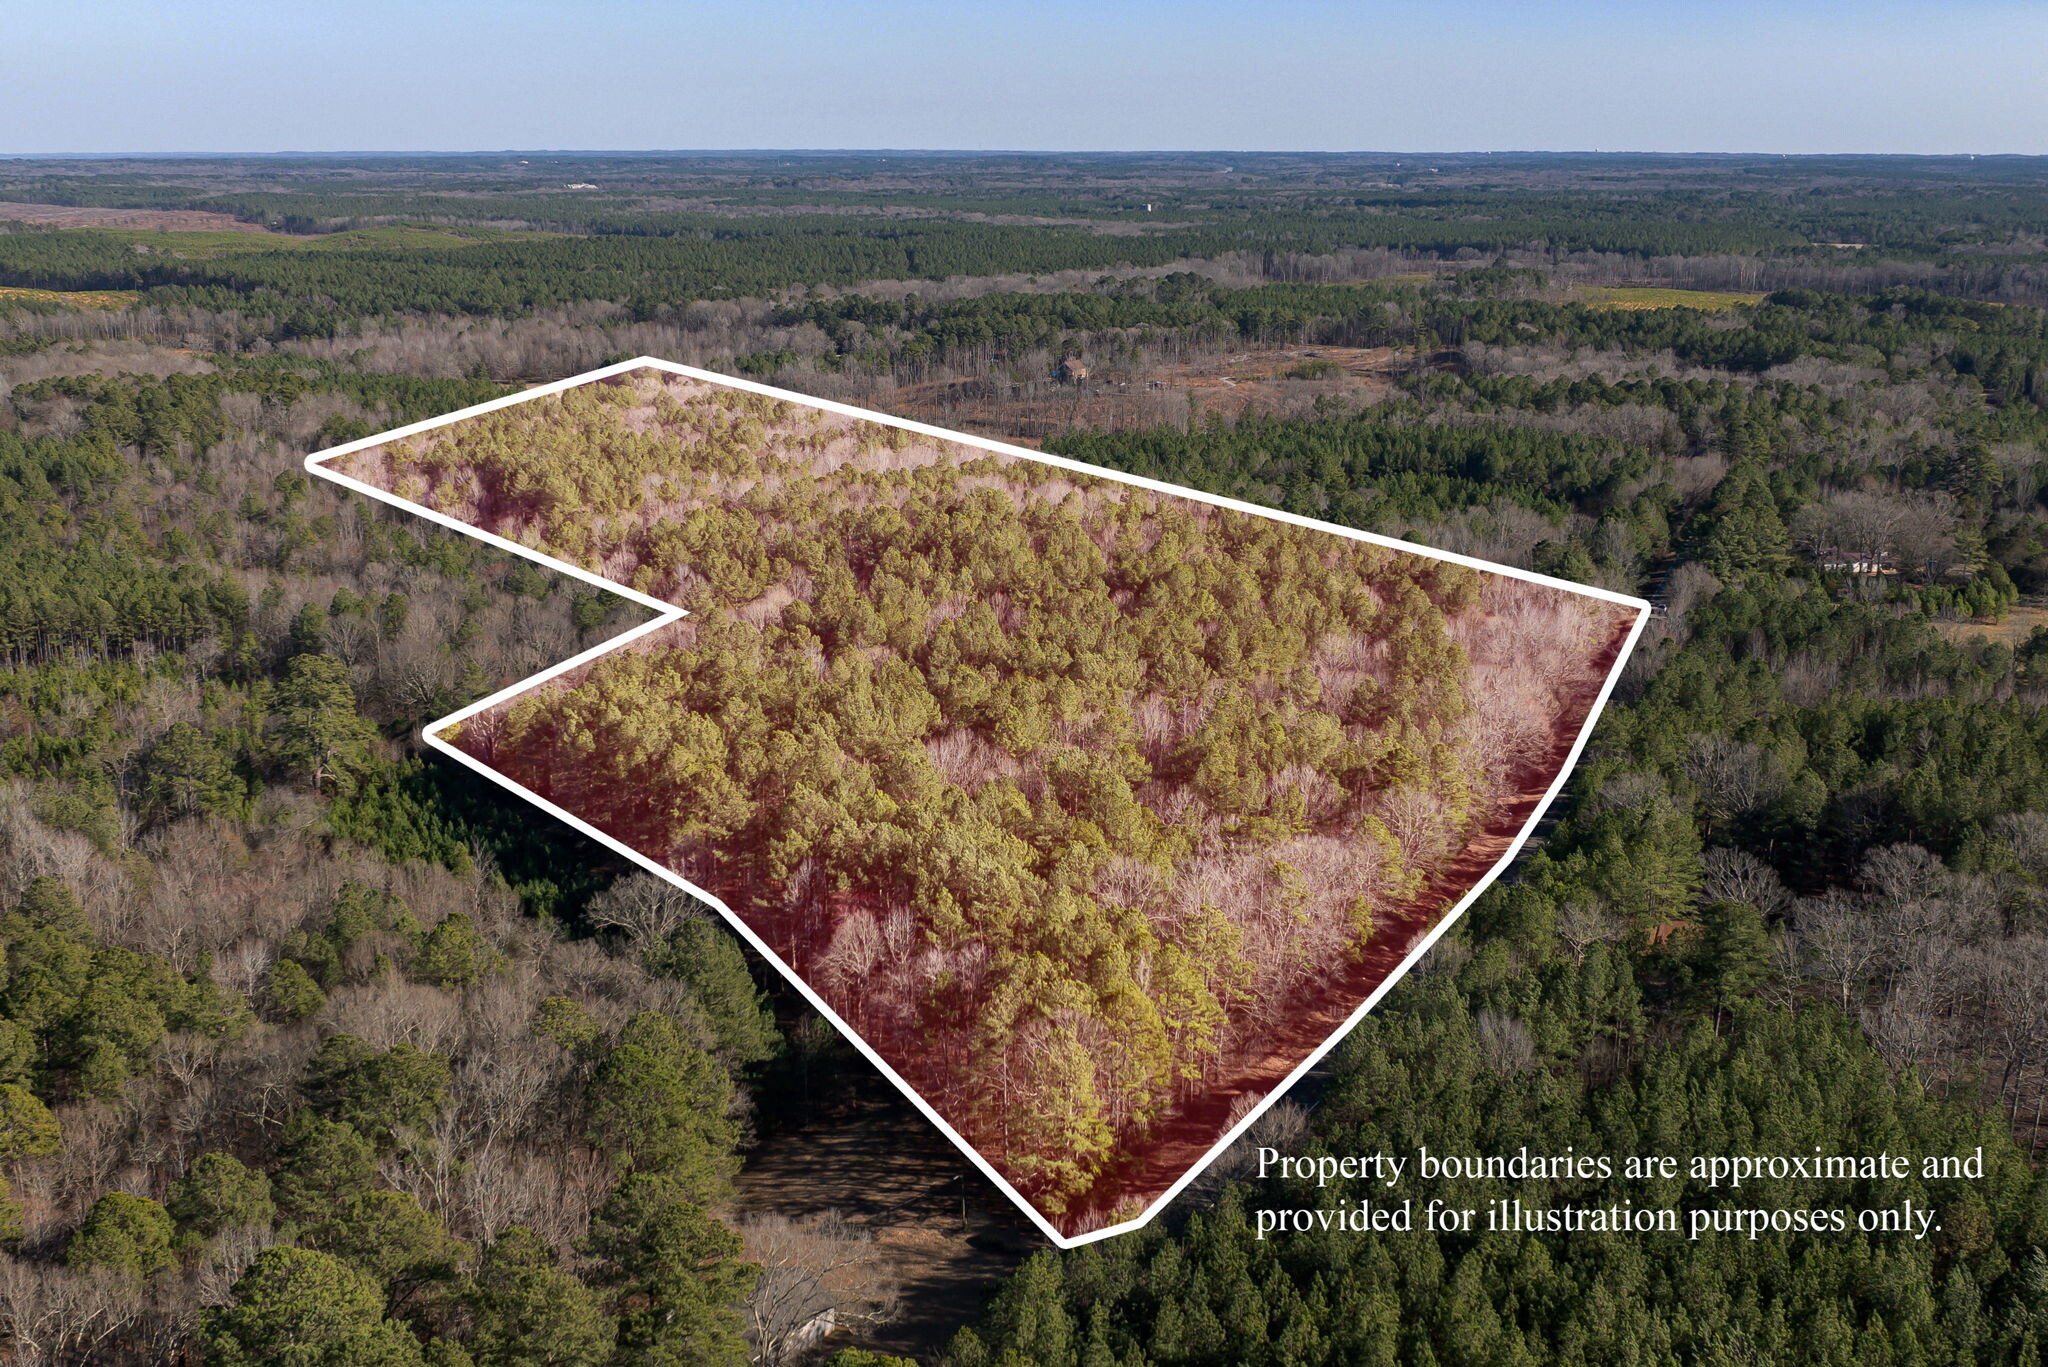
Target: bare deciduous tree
pixel 1838 944
pixel 1739 876
pixel 1581 927
pixel 646 908
pixel 1504 1042
pixel 1734 777
pixel 817 1274
pixel 54 1315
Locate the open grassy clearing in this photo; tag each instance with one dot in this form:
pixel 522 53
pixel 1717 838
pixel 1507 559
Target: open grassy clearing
pixel 2013 629
pixel 78 299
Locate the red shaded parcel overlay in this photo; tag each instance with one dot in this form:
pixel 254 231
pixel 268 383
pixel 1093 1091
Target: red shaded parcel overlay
pixel 1093 810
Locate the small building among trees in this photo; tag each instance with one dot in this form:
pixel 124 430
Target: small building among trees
pixel 1863 562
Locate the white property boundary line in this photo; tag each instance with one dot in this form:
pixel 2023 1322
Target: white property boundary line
pixel 666 613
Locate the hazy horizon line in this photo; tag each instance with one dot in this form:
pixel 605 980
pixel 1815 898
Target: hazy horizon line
pixel 340 152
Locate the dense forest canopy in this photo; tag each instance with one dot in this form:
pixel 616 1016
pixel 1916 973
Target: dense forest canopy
pixel 1064 793
pixel 300 1020
pixel 654 234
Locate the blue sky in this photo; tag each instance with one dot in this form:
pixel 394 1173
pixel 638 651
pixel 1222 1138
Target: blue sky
pixel 1712 75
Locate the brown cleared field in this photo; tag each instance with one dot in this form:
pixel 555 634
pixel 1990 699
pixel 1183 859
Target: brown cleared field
pixel 1256 379
pixel 157 220
pixel 2013 629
